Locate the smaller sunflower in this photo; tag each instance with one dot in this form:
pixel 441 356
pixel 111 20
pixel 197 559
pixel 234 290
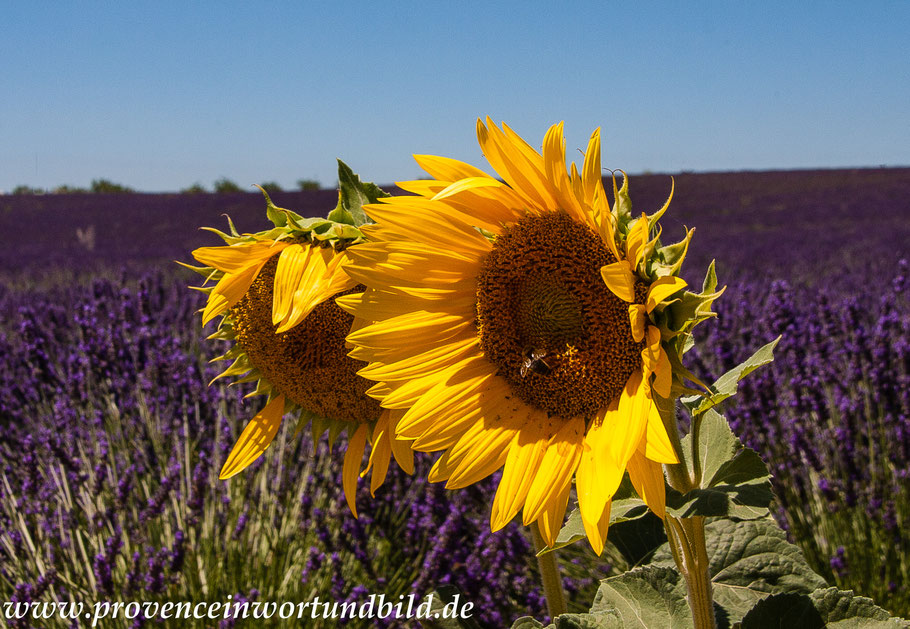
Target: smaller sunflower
pixel 275 293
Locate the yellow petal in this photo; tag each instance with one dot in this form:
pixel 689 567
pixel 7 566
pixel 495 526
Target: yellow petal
pixel 648 479
pixel 351 469
pixel 591 172
pixel 556 470
pixel 658 446
pixel 554 155
pixel 255 438
pixel 521 170
pixel 322 277
pixel 522 462
pixel 380 455
pixel 637 320
pixel 229 290
pixel 619 279
pixel 635 242
pixel 550 521
pixel 436 228
pixel 627 425
pixel 663 288
pixel 598 475
pixel 596 530
pixel 447 169
pixel 238 257
pixel 401 449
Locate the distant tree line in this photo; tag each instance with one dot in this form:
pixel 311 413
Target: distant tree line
pixel 104 186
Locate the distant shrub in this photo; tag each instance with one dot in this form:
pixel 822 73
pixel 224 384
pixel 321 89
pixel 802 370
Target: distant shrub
pixel 225 185
pixel 103 186
pixel 272 186
pixel 65 189
pixel 308 184
pixel 196 188
pixel 27 190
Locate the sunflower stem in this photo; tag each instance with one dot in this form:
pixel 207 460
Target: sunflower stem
pixel 549 576
pixel 687 543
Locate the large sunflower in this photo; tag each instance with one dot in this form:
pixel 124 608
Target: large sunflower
pixel 274 291
pixel 520 323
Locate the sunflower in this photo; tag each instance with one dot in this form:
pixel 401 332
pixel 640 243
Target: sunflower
pixel 274 292
pixel 523 324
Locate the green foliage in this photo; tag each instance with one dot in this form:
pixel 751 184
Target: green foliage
pixel 27 190
pixel 103 186
pixel 196 188
pixel 308 184
pixel 225 186
pixel 66 189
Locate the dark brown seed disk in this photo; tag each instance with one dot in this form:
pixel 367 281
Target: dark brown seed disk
pixel 308 363
pixel 560 337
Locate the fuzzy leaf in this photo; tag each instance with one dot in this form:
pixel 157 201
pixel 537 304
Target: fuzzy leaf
pixel 748 561
pixel 727 385
pixel 653 596
pixel 826 607
pixel 844 610
pixel 733 480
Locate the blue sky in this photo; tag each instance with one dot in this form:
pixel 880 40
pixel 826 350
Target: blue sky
pixel 158 96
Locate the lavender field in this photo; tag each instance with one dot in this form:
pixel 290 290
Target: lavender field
pixel 110 440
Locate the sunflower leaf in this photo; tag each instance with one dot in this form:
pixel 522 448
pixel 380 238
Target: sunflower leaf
pixel 653 596
pixel 739 565
pixel 727 385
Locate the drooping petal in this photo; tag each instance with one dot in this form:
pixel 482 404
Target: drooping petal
pixel 237 257
pixel 663 288
pixel 255 438
pixel 550 521
pixel 229 290
pixel 351 468
pixel 637 321
pixel 657 442
pixel 648 479
pixel 619 279
pixel 627 425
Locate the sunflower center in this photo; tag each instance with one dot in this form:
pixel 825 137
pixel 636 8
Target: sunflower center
pixel 560 337
pixel 308 363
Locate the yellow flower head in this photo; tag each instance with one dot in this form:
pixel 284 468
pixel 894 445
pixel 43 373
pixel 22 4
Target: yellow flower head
pixel 274 292
pixel 519 324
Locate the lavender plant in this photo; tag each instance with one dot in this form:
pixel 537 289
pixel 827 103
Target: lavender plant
pixel 110 449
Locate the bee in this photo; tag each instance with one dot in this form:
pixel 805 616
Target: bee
pixel 533 362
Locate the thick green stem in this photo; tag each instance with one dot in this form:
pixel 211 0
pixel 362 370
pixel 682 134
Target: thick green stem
pixel 687 542
pixel 687 535
pixel 549 576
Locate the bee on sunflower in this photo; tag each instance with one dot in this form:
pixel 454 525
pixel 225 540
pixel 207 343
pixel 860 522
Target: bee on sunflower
pixel 522 323
pixel 274 292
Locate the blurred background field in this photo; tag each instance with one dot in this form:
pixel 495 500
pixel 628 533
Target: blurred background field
pixel 110 440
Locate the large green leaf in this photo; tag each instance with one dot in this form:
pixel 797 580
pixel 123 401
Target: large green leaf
pixel 600 620
pixel 749 560
pixel 733 480
pixel 826 607
pixel 653 596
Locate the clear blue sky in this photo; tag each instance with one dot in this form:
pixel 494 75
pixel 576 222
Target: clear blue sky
pixel 159 95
